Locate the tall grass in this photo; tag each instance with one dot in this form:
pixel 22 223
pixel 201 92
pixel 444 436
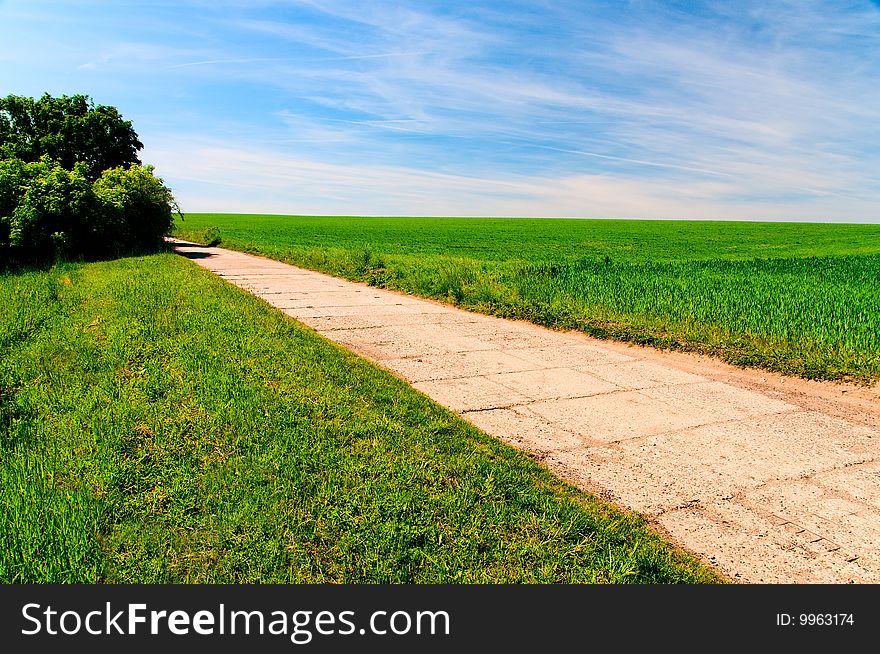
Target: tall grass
pixel 816 316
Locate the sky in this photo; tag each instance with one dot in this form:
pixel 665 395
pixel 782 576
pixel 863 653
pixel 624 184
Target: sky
pixel 744 110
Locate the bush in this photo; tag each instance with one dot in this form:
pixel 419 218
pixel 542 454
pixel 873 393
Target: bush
pixel 140 208
pixel 48 212
pixel 71 184
pixel 44 208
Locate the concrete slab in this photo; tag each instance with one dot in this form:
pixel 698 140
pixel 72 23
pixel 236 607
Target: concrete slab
pixel 510 335
pixel 777 551
pixel 861 481
pixel 455 365
pixel 523 429
pixel 720 460
pixel 716 401
pixel 470 393
pixel 390 342
pixel 565 354
pixel 639 374
pixel 553 383
pixel 606 470
pixel 357 310
pixel 332 323
pixel 755 452
pixel 833 515
pixel 322 299
pixel 619 416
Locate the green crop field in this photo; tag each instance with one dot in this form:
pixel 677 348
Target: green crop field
pixel 160 425
pixel 797 298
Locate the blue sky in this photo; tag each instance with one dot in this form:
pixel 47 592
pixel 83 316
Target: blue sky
pixel 641 109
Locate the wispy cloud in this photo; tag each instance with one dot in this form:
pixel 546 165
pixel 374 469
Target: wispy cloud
pixel 229 176
pixel 225 62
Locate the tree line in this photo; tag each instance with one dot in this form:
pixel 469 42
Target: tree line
pixel 72 185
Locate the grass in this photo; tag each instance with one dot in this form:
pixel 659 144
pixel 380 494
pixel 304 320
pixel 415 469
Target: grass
pixel 209 236
pixel 158 425
pixel 796 298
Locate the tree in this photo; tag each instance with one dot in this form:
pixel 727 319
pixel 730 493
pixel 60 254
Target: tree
pixel 71 184
pixel 70 130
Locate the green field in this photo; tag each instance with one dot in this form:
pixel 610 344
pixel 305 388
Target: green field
pixel 797 298
pixel 159 425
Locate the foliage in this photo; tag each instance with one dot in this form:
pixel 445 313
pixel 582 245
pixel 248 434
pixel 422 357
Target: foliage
pixel 158 425
pixel 48 212
pixel 792 297
pixel 70 130
pixel 142 207
pixel 71 184
pixel 44 209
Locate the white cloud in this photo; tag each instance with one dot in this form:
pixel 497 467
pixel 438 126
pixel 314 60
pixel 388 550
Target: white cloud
pixel 214 176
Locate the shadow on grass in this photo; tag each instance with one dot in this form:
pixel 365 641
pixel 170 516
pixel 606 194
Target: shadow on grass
pixel 18 267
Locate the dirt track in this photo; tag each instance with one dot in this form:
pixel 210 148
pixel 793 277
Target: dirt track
pixel 770 479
